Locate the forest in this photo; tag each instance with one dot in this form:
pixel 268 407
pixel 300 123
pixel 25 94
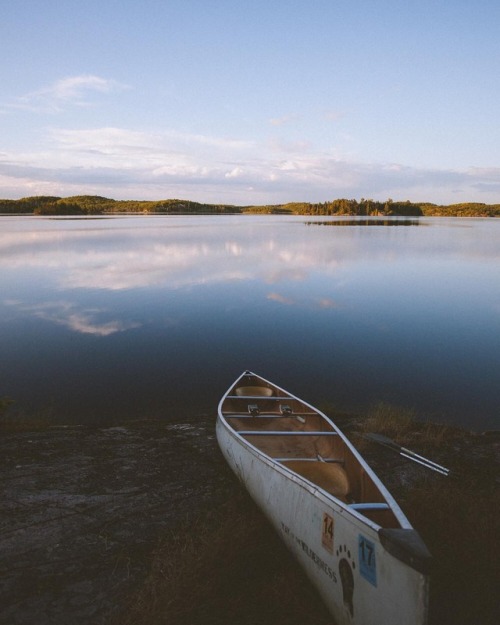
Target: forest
pixel 97 205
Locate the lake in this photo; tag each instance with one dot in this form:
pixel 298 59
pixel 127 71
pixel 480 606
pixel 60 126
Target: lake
pixel 112 318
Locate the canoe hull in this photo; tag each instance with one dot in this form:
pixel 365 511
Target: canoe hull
pixel 341 551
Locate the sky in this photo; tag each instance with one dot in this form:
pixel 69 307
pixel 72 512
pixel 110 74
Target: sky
pixel 262 102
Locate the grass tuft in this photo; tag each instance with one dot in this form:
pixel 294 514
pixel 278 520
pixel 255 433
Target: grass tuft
pixel 11 423
pixel 389 420
pixel 402 425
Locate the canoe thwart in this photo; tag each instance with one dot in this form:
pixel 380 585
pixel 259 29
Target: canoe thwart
pixel 284 433
pixel 257 396
pixel 267 415
pixel 369 506
pixel 239 415
pixel 331 460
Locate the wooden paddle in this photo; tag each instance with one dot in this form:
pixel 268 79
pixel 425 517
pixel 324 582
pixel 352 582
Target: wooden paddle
pixel 406 453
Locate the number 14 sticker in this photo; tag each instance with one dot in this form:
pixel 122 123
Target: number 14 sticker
pixel 367 560
pixel 327 532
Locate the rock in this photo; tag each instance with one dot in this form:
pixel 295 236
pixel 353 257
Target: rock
pixel 83 509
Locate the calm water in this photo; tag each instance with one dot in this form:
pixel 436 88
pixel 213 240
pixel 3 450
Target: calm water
pixel 110 318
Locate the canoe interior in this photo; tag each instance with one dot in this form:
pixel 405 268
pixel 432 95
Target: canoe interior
pixel 301 439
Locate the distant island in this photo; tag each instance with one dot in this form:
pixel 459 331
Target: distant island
pixel 97 205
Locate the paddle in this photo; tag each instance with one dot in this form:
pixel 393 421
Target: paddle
pixel 407 453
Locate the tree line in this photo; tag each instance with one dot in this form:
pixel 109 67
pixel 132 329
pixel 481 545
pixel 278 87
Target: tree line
pixel 97 205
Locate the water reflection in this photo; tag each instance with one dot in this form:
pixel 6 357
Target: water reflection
pixel 85 320
pixel 151 315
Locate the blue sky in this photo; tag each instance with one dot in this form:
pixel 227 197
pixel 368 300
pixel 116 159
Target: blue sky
pixel 251 102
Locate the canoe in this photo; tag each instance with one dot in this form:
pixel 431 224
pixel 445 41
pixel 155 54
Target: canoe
pixel 345 529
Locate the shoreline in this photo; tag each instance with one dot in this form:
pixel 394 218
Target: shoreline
pixel 98 205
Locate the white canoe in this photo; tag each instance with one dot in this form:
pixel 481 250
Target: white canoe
pixel 346 530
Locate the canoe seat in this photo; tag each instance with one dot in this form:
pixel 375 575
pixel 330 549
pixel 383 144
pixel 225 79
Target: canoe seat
pixel 327 475
pixel 253 391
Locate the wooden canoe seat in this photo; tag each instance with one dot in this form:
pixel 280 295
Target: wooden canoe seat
pixel 327 475
pixel 253 391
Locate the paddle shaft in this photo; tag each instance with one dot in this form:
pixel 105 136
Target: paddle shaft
pixel 426 460
pixel 407 453
pixel 424 464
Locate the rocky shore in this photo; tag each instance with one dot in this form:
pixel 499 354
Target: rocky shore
pixel 82 510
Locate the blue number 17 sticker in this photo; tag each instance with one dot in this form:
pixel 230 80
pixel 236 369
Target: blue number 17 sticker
pixel 367 560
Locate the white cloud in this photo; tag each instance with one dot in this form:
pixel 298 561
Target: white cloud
pixel 237 172
pixel 74 87
pixel 150 147
pixel 73 90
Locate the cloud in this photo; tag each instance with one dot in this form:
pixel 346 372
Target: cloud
pixel 74 87
pixel 126 163
pixel 237 172
pixel 73 90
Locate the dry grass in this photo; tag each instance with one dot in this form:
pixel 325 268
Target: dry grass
pixel 459 521
pixel 14 426
pixel 225 568
pixel 402 425
pixel 457 516
pixel 389 420
pixel 13 422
